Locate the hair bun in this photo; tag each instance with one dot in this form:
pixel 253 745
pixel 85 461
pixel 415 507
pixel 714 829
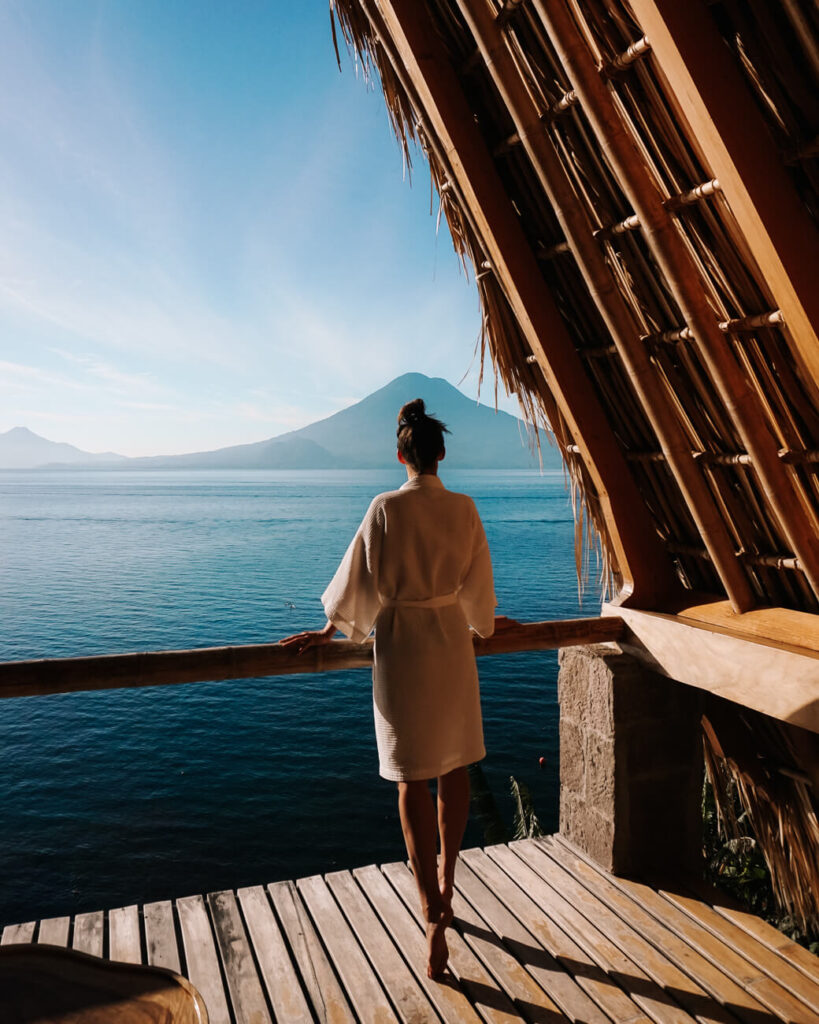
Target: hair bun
pixel 411 413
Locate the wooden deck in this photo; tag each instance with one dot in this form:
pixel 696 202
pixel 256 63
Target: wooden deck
pixel 540 934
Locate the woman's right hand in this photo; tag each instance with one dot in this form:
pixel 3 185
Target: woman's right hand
pixel 309 638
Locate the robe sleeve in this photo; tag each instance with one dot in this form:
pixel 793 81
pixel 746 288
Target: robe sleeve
pixel 351 601
pixel 477 594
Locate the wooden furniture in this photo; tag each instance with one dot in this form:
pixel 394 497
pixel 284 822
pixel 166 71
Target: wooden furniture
pixel 49 983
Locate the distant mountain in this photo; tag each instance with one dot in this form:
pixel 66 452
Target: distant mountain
pixel 21 448
pixel 362 436
pixel 364 433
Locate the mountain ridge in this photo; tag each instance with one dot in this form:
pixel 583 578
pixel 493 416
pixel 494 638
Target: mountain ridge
pixel 361 436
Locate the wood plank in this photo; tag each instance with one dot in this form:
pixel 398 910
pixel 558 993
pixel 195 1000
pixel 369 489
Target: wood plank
pixel 54 931
pixel 730 961
pixel 89 933
pixel 246 995
pixel 701 968
pixel 160 936
pixel 201 959
pixel 575 982
pixel 326 995
pixel 249 661
pixel 404 925
pixel 18 933
pixel 360 982
pixel 751 948
pixel 795 954
pixel 123 935
pixel 530 999
pixel 752 672
pixel 411 1004
pixel 481 986
pixel 665 973
pixel 278 973
pixel 594 941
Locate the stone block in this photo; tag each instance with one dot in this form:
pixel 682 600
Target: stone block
pixel 584 685
pixel 587 829
pixel 572 757
pixel 631 763
pixel 600 771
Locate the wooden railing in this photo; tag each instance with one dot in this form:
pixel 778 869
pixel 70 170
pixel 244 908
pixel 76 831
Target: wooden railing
pixel 248 661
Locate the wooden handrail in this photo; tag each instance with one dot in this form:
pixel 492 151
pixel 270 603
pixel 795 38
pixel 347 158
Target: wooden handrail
pixel 251 661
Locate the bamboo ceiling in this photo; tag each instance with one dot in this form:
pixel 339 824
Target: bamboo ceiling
pixel 645 250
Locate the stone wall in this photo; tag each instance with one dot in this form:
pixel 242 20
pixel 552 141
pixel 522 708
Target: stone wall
pixel 630 764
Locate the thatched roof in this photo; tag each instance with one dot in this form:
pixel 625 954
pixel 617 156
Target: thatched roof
pixel 645 252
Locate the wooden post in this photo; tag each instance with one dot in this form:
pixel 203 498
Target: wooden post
pixel 797 522
pixel 648 575
pixel 706 89
pixel 578 231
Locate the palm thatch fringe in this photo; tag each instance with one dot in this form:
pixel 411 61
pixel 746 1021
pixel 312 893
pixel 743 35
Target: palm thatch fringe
pixel 753 755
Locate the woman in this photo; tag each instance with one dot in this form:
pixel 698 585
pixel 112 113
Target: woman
pixel 418 569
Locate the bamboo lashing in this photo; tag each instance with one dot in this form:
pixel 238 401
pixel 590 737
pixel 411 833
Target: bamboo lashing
pixel 747 323
pixel 787 455
pixel 639 48
pixel 769 561
pixel 578 233
pixel 798 523
pixel 632 222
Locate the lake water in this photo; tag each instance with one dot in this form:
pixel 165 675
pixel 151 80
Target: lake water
pixel 133 795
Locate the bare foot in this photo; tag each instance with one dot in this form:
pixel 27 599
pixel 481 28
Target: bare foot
pixel 438 951
pixel 445 889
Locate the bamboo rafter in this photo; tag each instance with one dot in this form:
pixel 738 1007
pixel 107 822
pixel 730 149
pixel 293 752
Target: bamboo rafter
pixel 798 523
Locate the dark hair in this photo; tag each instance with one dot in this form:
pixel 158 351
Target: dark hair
pixel 420 437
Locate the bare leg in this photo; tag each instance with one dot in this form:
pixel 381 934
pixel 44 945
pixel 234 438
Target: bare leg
pixel 417 811
pixel 453 812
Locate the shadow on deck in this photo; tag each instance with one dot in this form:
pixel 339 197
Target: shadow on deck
pixel 540 934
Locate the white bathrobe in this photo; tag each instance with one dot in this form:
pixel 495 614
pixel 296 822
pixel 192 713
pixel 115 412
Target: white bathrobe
pixel 418 569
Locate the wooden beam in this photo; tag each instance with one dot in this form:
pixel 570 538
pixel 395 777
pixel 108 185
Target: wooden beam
pixel 648 575
pixel 797 520
pixel 766 659
pixel 708 92
pixel 253 661
pixel 577 228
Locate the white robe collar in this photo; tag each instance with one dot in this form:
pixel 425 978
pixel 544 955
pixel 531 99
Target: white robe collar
pixel 422 480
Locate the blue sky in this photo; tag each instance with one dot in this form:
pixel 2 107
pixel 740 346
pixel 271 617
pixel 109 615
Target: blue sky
pixel 206 234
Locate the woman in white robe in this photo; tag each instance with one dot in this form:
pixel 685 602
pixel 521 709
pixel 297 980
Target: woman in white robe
pixel 418 570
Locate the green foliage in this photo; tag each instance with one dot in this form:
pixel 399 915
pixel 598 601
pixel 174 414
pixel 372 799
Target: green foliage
pixel 738 866
pixel 525 824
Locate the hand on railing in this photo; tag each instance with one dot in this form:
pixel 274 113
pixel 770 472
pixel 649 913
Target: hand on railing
pixel 309 638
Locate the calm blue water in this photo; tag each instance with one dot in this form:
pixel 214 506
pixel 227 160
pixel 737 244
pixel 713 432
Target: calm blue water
pixel 133 795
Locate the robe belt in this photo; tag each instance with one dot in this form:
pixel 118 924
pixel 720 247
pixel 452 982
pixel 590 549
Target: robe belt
pixel 441 601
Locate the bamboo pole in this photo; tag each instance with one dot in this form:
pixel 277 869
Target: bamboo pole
pixel 713 100
pixel 647 572
pixel 797 521
pixel 578 231
pixel 253 661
